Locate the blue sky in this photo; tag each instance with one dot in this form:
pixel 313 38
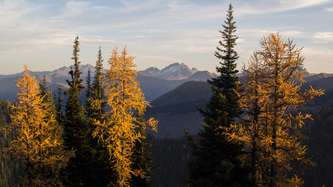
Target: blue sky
pixel 40 33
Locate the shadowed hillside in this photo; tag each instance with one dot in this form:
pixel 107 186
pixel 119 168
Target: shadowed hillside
pixel 178 109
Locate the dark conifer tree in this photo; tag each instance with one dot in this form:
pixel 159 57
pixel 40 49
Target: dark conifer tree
pixel 46 93
pixel 76 127
pixel 141 157
pixel 57 131
pixel 217 161
pixel 97 92
pixel 95 110
pixel 88 105
pixel 59 104
pixel 47 96
pixel 43 88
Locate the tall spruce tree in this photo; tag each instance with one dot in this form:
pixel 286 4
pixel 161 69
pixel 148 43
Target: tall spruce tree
pixel 88 105
pixel 97 93
pixel 46 93
pixel 43 88
pixel 59 104
pixel 95 105
pixel 76 127
pixel 217 161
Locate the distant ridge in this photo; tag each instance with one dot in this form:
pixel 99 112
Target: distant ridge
pixel 153 82
pixel 201 75
pixel 164 80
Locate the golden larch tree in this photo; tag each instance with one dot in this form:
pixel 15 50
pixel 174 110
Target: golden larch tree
pixel 39 137
pixel 271 125
pixel 250 130
pixel 125 100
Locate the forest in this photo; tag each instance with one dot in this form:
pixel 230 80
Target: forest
pixel 266 128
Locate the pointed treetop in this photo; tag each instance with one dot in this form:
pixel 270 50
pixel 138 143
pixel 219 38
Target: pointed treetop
pixel 226 51
pixel 76 50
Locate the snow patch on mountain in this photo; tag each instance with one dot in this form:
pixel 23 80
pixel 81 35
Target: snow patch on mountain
pixel 63 71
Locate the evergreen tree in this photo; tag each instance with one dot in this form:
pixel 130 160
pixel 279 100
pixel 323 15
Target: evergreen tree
pixel 76 127
pixel 88 105
pixel 141 158
pixel 95 105
pixel 43 88
pixel 217 161
pixel 39 138
pixel 98 95
pixel 46 93
pixel 59 104
pixel 118 131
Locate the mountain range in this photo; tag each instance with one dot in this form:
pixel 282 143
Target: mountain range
pixel 175 93
pixel 152 84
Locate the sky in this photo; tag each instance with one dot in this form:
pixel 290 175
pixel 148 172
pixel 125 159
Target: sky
pixel 40 33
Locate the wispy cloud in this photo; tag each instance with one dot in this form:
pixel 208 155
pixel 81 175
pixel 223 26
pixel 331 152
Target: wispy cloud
pixel 263 6
pixel 318 59
pixel 96 39
pixel 146 61
pixel 323 37
pixel 329 9
pixel 75 8
pixel 26 26
pixel 12 11
pixel 256 34
pixel 155 30
pixel 77 18
pixel 156 58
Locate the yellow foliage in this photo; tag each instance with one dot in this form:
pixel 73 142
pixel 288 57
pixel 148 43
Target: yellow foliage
pixel 126 101
pixel 39 137
pixel 269 128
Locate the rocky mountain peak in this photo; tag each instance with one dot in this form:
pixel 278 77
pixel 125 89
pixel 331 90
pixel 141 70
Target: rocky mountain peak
pixel 175 71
